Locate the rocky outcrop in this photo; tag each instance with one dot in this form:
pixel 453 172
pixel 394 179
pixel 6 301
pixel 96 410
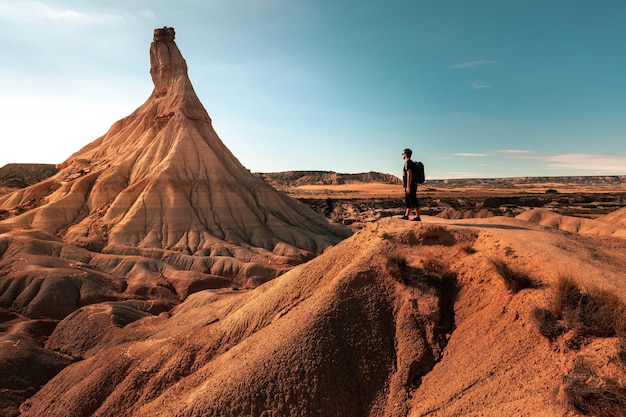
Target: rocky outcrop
pixel 591 180
pixel 401 319
pixel 331 337
pixel 14 176
pixel 298 178
pixel 161 178
pixel 151 212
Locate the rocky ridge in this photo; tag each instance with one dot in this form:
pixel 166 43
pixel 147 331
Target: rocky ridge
pixel 288 179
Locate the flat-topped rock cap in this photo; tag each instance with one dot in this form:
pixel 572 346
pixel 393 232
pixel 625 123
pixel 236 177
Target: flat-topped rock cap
pixel 164 33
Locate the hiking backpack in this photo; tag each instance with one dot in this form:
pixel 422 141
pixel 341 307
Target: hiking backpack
pixel 420 176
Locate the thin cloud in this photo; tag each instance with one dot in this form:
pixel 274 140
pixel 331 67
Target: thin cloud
pixel 472 64
pixel 35 11
pixel 515 151
pixel 147 14
pixel 477 85
pixel 471 155
pixel 595 162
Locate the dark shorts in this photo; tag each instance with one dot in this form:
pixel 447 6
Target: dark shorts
pixel 411 198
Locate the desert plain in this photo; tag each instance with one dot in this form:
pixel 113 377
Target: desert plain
pixel 151 274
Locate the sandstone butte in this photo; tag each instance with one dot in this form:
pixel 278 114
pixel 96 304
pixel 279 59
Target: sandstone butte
pixel 116 293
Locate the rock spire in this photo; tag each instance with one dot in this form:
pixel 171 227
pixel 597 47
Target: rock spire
pixel 161 178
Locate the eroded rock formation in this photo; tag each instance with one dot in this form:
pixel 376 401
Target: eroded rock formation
pixel 154 210
pixel 162 179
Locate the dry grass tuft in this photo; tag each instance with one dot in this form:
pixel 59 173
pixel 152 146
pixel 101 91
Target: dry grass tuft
pixel 435 277
pixel 596 312
pixel 397 267
pixel 620 332
pixel 468 249
pixel 427 278
pixel 586 392
pixel 514 281
pixel 547 323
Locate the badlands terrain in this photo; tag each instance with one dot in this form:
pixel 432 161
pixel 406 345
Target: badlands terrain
pixel 151 274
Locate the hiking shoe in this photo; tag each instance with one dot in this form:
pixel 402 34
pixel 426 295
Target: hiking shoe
pixel 405 217
pixel 417 219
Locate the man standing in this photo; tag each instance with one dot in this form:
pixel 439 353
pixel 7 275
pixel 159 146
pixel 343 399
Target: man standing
pixel 409 179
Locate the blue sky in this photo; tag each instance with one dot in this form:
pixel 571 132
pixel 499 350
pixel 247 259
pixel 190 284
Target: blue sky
pixel 490 88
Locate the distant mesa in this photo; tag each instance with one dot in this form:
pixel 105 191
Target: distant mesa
pixel 299 178
pixel 13 176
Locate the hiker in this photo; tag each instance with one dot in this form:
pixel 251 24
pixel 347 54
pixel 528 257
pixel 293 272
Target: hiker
pixel 409 180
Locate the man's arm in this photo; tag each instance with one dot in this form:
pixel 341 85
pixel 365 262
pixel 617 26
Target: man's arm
pixel 409 179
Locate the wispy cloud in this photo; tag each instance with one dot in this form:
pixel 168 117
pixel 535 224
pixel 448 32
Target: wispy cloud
pixel 592 163
pixel 471 155
pixel 595 162
pixel 477 85
pixel 515 152
pixel 35 11
pixel 472 64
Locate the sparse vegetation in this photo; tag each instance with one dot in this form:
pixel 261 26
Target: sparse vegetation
pixel 514 280
pixel 620 330
pixel 434 266
pixel 596 313
pixel 397 266
pixel 435 276
pixel 547 323
pixel 427 278
pixel 469 249
pixel 582 314
pixel 585 391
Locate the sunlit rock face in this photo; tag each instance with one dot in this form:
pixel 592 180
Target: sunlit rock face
pixel 162 178
pixel 134 223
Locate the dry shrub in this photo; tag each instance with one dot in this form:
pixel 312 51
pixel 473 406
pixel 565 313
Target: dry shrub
pixel 468 249
pixel 620 332
pixel 585 391
pixel 426 279
pixel 591 313
pixel 595 312
pixel 433 265
pixel 566 295
pixel 598 313
pixel 547 323
pixel 435 277
pixel 514 281
pixel 397 267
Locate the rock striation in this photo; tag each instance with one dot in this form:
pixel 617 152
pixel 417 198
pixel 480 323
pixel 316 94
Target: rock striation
pixel 161 178
pixel 110 298
pixel 398 320
pixel 151 212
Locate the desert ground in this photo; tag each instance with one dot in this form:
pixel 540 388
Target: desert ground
pixel 400 319
pixel 358 202
pixel 192 287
